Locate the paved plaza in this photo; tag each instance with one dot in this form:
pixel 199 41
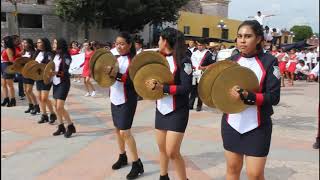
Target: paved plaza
pixel 30 152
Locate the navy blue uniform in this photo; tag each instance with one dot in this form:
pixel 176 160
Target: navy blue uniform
pixel 249 132
pixel 45 59
pixel 172 111
pixel 123 96
pixel 61 81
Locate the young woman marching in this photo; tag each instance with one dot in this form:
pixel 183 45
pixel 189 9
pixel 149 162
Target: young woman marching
pixel 123 105
pixel 61 86
pixel 172 111
pixel 44 55
pixel 247 135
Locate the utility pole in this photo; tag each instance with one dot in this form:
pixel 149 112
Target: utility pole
pixel 15 14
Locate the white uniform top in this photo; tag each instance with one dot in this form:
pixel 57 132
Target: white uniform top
pixel 40 57
pixel 282 57
pixel 165 105
pixel 117 90
pixel 260 19
pixel 247 120
pixel 27 54
pixel 310 57
pixel 57 60
pixel 314 59
pixel 197 57
pixel 303 69
pixel 139 51
pixel 301 55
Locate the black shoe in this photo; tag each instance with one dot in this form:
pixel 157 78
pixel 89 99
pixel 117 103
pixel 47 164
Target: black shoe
pixel 36 109
pixel 165 177
pixel 61 130
pixel 12 102
pixel 44 119
pixel 53 118
pixel 5 101
pixel 70 129
pixel 136 170
pixel 122 161
pixel 190 107
pixel 29 109
pixel 198 109
pixel 316 144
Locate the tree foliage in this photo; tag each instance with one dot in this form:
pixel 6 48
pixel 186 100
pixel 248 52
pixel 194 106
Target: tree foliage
pixel 124 15
pixel 301 32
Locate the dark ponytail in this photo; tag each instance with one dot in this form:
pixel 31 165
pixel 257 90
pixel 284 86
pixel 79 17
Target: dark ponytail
pixel 176 42
pixel 129 40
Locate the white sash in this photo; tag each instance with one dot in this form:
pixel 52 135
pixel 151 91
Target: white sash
pixel 165 105
pixel 117 90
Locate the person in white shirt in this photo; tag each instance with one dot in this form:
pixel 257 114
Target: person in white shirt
pixel 310 57
pixel 302 71
pixel 301 54
pixel 314 74
pixel 314 58
pixel 267 34
pixel 138 44
pixel 260 17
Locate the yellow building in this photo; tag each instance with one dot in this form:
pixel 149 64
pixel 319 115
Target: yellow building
pixel 202 25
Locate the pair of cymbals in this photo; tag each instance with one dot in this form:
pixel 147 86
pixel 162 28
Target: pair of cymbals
pixel 34 70
pixel 150 65
pixel 101 59
pixel 18 65
pixel 217 81
pixel 47 73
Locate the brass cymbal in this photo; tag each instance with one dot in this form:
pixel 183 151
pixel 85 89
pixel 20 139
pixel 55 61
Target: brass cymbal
pixel 36 71
pixel 152 71
pixel 26 69
pixel 94 57
pixel 144 58
pixel 228 78
pixel 21 62
pixel 100 76
pixel 208 78
pixel 11 69
pixel 47 74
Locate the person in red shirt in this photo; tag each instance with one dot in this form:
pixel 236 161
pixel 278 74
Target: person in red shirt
pixel 88 50
pixel 8 56
pixel 292 63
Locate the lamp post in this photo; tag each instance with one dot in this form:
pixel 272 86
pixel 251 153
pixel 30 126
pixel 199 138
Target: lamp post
pixel 222 26
pixel 15 14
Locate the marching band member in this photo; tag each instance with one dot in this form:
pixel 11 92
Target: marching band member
pixel 138 45
pixel 283 58
pixel 61 87
pixel 123 105
pixel 172 112
pixel 248 134
pixel 28 50
pixel 44 55
pixel 9 55
pixel 200 59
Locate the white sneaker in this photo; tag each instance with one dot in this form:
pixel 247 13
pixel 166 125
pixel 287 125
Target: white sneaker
pixel 93 93
pixel 79 81
pixel 88 94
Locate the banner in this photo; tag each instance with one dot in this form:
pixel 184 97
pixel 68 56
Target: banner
pixel 77 61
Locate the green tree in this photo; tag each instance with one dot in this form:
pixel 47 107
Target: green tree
pixel 301 32
pixel 124 15
pixel 82 12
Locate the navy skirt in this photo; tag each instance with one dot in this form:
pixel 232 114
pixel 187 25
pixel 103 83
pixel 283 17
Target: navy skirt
pixel 253 143
pixel 5 75
pixel 43 87
pixel 27 81
pixel 176 121
pixel 61 90
pixel 123 114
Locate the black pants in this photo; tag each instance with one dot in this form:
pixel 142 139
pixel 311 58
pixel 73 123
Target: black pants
pixel 193 95
pixel 20 84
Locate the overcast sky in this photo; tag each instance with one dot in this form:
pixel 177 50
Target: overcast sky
pixel 289 12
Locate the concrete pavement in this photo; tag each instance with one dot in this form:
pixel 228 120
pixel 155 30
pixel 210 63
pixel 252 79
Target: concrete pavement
pixel 29 151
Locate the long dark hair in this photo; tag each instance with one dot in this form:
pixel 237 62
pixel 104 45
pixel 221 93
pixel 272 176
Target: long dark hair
pixel 62 48
pixel 176 42
pixel 47 48
pixel 129 40
pixel 8 42
pixel 30 46
pixel 256 28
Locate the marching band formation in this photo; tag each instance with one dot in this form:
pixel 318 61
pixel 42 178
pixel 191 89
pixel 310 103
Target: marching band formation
pixel 244 87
